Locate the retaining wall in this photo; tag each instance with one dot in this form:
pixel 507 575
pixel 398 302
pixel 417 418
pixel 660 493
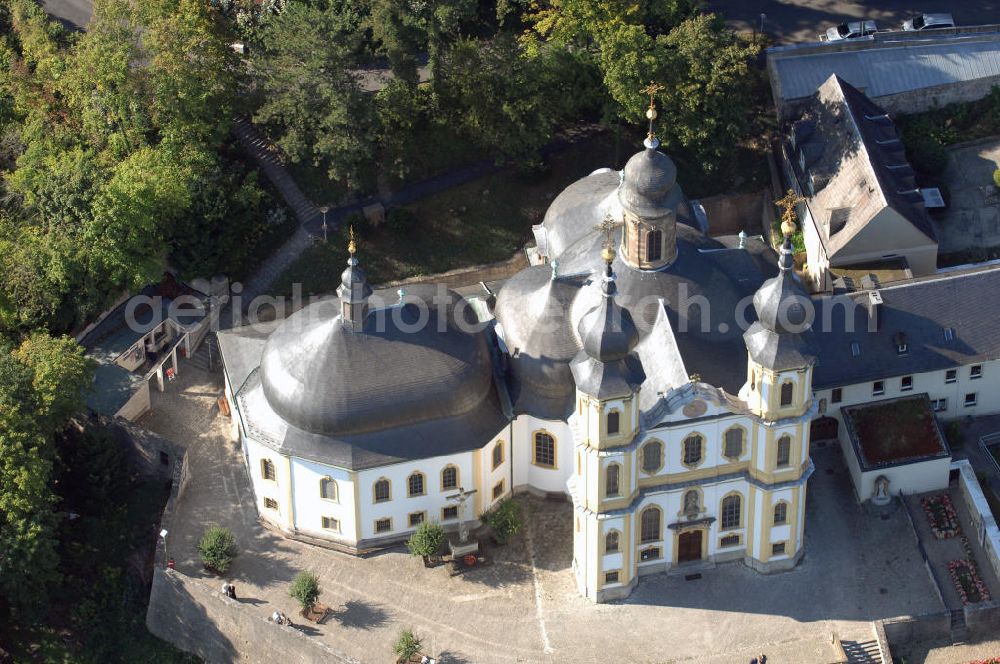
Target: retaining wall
pixel 198 619
pixel 911 629
pixel 983 522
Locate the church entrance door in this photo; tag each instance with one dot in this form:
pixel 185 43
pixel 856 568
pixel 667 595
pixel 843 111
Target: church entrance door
pixel 689 546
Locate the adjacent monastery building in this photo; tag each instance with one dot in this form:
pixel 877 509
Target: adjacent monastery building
pixel 661 380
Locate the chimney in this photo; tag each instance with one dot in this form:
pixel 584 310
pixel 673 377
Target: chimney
pixel 874 307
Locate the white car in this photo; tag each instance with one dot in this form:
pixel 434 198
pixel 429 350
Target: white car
pixel 925 21
pixel 849 30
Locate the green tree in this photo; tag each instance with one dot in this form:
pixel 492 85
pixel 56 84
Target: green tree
pixel 305 589
pixel 494 96
pixel 132 213
pixel 217 548
pixel 407 645
pixel 40 388
pixel 312 105
pixel 426 540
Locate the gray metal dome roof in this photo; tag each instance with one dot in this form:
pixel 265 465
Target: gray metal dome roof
pixel 324 377
pixel 531 309
pixel 648 177
pixel 607 331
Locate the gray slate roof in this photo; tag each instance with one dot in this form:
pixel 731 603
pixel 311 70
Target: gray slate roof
pixel 966 302
pixel 858 165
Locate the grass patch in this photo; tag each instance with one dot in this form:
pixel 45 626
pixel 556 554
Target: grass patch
pixel 484 221
pixel 895 431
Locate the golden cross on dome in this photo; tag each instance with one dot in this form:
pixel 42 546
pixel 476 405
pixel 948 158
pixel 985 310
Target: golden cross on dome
pixel 652 89
pixel 608 225
pixel 351 244
pixel 789 217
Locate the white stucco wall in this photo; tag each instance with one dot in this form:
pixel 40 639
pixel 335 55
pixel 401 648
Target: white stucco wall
pixel 311 507
pixel 908 479
pixel 537 477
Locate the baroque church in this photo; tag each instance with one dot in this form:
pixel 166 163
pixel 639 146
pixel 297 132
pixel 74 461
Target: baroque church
pixel 616 374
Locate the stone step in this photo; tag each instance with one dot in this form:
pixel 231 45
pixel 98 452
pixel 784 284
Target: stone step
pixel 862 652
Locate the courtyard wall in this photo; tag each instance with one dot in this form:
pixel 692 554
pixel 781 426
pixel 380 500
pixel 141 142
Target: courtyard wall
pixel 987 532
pixel 198 619
pixel 911 629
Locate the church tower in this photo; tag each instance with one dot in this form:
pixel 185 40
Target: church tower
pixel 354 290
pixel 608 377
pixel 647 196
pixel 780 363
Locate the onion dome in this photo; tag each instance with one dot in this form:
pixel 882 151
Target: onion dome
pixel 606 367
pixel 607 331
pixel 647 180
pixel 784 313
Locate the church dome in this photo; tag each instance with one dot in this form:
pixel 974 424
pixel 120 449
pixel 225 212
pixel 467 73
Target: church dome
pixel 648 178
pixel 531 310
pixel 409 363
pixel 607 330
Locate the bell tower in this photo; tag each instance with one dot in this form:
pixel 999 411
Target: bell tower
pixel 646 193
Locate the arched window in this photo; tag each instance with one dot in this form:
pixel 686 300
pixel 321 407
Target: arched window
pixel 731 511
pixel 784 455
pixel 382 490
pixel 545 450
pixel 652 456
pixel 449 478
pixel 415 484
pixel 733 445
pixel 611 483
pixel 781 513
pixel 267 469
pixel 328 489
pixel 611 542
pixel 614 422
pixel 786 393
pixel 654 242
pixel 497 454
pixel 692 503
pixel 692 450
pixel 649 530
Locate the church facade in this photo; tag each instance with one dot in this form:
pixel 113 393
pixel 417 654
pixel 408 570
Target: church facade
pixel 659 379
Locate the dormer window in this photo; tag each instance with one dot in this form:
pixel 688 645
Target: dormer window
pixel 855 349
pixel 900 340
pixel 901 349
pixel 949 333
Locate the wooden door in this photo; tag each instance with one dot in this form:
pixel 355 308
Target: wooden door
pixel 689 546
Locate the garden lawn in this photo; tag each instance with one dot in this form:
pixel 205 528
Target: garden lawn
pixel 484 221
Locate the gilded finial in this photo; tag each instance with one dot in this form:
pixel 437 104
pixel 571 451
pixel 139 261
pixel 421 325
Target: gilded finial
pixel 608 226
pixel 788 216
pixel 652 89
pixel 351 244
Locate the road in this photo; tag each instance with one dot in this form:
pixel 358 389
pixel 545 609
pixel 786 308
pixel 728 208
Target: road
pixel 802 20
pixel 787 20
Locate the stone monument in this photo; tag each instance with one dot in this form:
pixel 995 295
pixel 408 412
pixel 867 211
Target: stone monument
pixel 463 546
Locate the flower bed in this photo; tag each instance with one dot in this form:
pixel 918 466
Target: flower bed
pixel 941 515
pixel 970 587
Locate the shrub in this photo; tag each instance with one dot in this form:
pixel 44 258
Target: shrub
pixel 927 154
pixel 406 646
pixel 426 540
pixel 953 432
pixel 217 548
pixel 305 589
pixel 996 178
pixel 401 219
pixel 504 519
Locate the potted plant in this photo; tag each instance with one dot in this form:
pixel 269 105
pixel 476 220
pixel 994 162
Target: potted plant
pixel 305 590
pixel 217 549
pixel 504 519
pixel 407 647
pixel 426 541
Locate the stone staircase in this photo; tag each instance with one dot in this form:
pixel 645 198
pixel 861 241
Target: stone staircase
pixel 207 357
pixel 268 158
pixel 862 652
pixel 959 630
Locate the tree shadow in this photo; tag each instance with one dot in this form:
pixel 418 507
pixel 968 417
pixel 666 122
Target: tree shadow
pixel 361 615
pixel 448 657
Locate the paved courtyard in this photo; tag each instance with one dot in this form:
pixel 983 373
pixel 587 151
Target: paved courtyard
pixel 972 218
pixel 524 608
